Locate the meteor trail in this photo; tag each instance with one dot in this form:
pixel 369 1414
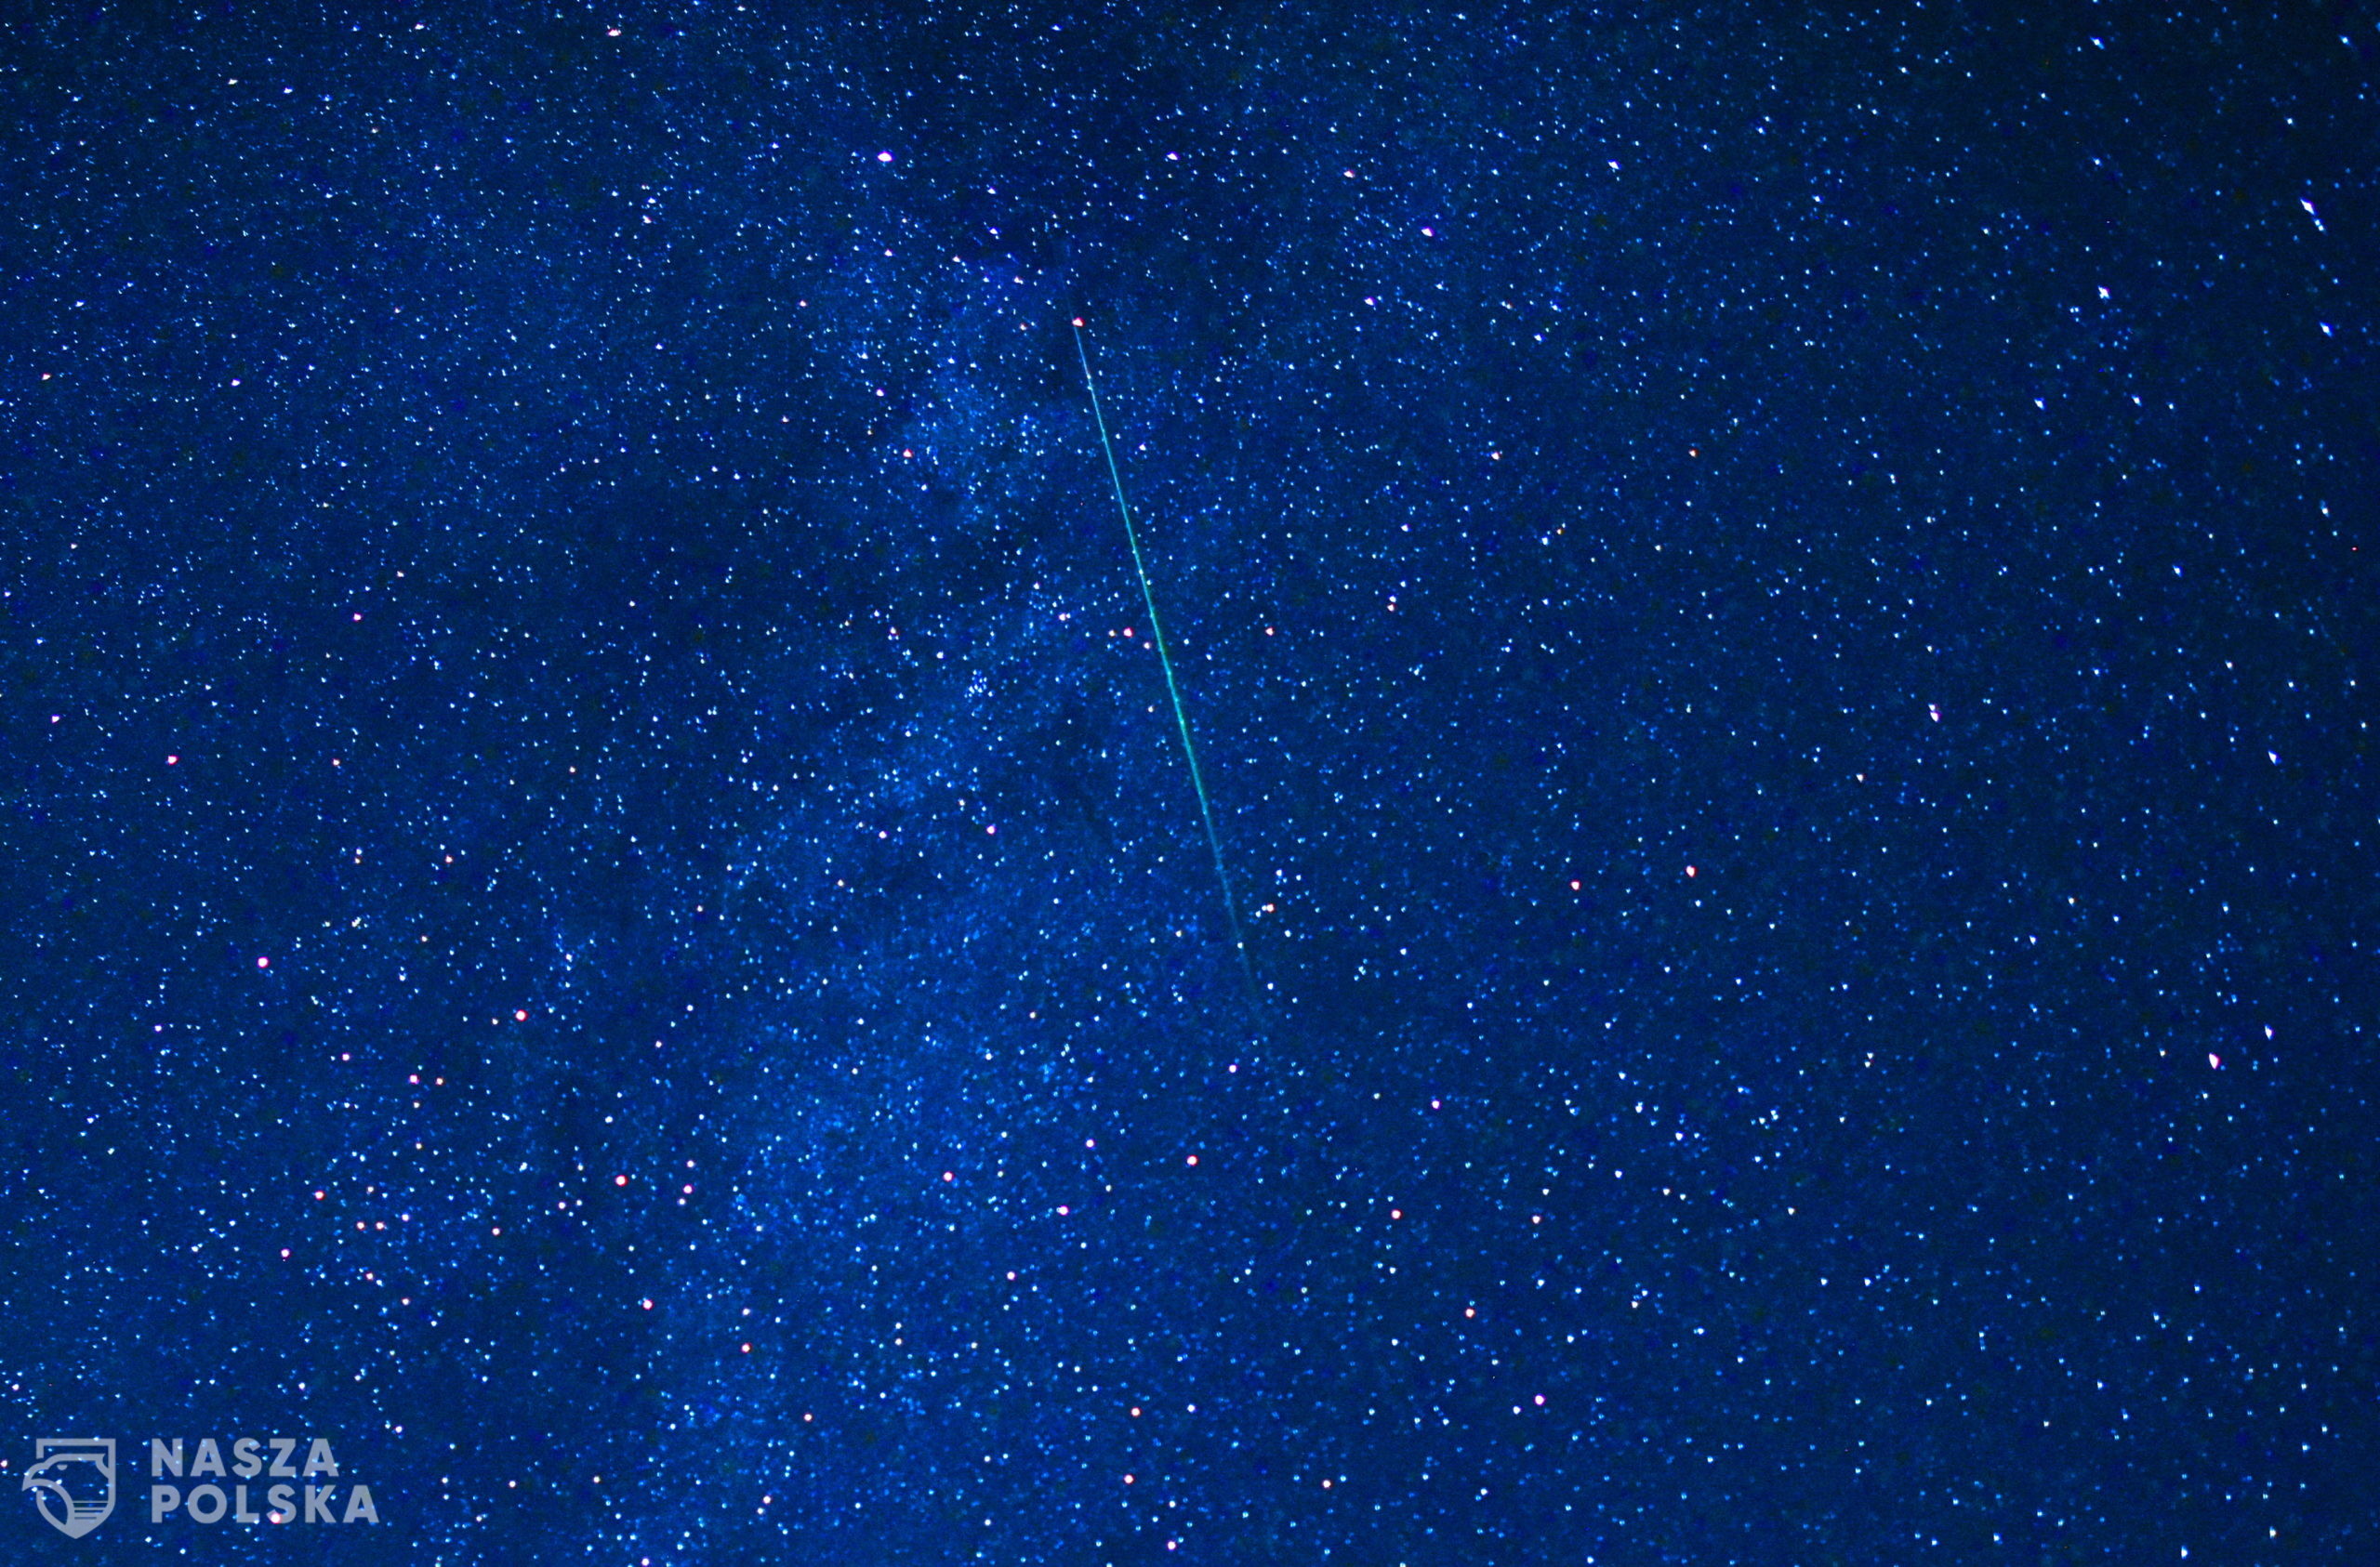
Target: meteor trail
pixel 1165 661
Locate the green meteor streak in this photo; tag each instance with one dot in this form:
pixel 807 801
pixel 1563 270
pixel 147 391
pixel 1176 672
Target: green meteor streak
pixel 1165 661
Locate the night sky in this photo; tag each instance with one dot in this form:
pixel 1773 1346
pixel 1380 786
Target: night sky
pixel 604 905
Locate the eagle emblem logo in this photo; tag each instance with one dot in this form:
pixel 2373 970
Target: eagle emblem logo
pixel 73 1480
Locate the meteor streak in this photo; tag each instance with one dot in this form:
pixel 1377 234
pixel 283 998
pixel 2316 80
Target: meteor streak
pixel 1165 661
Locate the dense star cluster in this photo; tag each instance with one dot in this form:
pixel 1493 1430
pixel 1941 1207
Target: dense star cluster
pixel 606 910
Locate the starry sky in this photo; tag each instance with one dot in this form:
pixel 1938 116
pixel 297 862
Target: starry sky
pixel 604 905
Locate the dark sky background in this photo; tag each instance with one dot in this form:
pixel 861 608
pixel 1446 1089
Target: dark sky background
pixel 603 906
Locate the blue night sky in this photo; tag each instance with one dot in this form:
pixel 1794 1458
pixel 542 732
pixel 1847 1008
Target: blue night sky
pixel 605 908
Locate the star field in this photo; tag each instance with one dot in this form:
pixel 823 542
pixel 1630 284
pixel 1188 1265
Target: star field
pixel 605 907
